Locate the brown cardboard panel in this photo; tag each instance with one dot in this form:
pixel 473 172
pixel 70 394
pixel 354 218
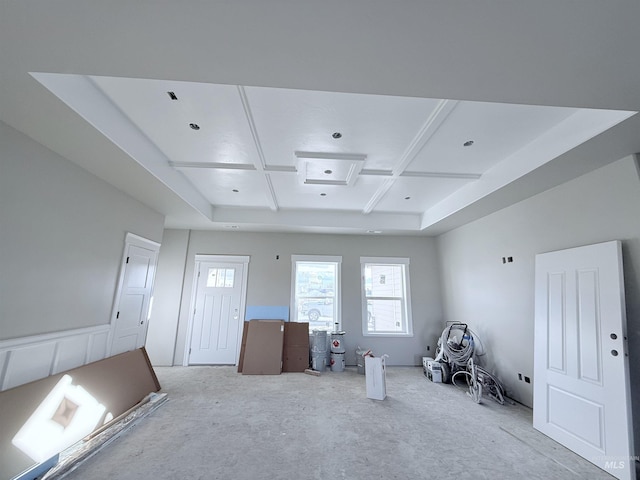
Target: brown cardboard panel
pixel 296 333
pixel 243 346
pixel 263 353
pixel 295 358
pixel 117 383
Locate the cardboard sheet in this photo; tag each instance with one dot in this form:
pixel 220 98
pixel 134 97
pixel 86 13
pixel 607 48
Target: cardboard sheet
pixel 243 346
pixel 296 333
pixel 295 359
pixel 79 400
pixel 263 351
pixel 295 355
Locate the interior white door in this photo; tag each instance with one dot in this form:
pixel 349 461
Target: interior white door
pixel 217 314
pixel 133 297
pixel 581 395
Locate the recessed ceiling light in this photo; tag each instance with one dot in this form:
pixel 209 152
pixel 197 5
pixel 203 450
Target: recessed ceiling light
pixel 194 126
pixel 235 190
pixel 328 172
pixel 336 135
pixel 172 95
pixel 231 226
pixel 374 231
pixel 407 198
pixel 468 143
pixel 323 194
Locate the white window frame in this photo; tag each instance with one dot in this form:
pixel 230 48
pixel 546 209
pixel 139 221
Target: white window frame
pixel 406 304
pixel 337 294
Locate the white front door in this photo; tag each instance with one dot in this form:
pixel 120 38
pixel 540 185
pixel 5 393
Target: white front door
pixel 218 313
pixel 133 296
pixel 581 395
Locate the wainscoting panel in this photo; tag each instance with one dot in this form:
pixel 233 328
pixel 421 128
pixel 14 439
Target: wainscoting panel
pixel 70 353
pixel 28 363
pixel 97 349
pixel 23 360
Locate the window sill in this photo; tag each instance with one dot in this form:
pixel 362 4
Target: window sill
pixel 387 334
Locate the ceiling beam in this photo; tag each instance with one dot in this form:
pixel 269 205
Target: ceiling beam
pixel 465 176
pixel 437 118
pixel 262 164
pixel 218 165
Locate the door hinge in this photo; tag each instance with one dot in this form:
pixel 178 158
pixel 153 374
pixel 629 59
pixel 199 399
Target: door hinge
pixel 117 315
pixel 189 351
pixel 127 259
pixel 198 273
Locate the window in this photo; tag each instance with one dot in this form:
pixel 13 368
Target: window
pixel 386 304
pixel 315 294
pixel 220 277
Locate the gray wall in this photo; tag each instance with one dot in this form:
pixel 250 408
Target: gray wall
pixel 498 300
pixel 163 324
pixel 269 283
pixel 62 235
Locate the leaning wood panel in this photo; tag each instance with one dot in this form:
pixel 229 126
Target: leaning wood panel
pixel 59 404
pixel 263 353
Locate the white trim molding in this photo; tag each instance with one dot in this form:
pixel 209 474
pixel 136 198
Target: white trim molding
pixel 23 360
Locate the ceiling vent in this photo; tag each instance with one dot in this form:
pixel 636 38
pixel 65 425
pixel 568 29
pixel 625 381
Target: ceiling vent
pixel 320 168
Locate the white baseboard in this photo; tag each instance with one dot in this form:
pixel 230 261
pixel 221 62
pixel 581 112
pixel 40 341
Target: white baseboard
pixel 23 360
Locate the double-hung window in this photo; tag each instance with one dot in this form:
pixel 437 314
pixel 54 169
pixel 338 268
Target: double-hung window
pixel 386 303
pixel 315 294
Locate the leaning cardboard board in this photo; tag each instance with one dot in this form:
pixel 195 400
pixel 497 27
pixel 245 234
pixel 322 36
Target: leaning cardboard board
pixel 243 346
pixel 263 352
pixel 77 400
pixel 296 334
pixel 295 354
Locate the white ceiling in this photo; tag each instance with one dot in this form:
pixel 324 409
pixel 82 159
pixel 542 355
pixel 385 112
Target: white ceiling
pixel 405 86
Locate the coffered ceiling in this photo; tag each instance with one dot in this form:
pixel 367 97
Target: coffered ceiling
pixel 301 149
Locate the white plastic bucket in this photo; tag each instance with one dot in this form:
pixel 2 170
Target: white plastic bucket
pixel 337 361
pixel 319 341
pixel 318 361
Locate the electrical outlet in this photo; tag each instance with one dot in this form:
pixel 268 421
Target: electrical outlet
pixel 509 259
pixel 520 376
pixel 428 348
pixel 527 380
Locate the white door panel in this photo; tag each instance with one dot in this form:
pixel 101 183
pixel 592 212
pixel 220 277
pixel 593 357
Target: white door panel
pixel 217 313
pixel 134 294
pixel 581 387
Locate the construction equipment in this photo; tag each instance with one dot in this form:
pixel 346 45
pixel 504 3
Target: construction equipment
pixel 458 352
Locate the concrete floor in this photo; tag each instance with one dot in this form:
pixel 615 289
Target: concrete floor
pixel 219 424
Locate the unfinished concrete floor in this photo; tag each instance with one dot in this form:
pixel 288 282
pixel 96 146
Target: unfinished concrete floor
pixel 219 424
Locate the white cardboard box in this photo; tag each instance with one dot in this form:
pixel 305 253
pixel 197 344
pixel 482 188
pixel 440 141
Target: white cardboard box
pixel 375 373
pixel 425 361
pixel 434 371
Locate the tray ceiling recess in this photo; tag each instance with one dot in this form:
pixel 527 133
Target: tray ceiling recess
pixel 275 159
